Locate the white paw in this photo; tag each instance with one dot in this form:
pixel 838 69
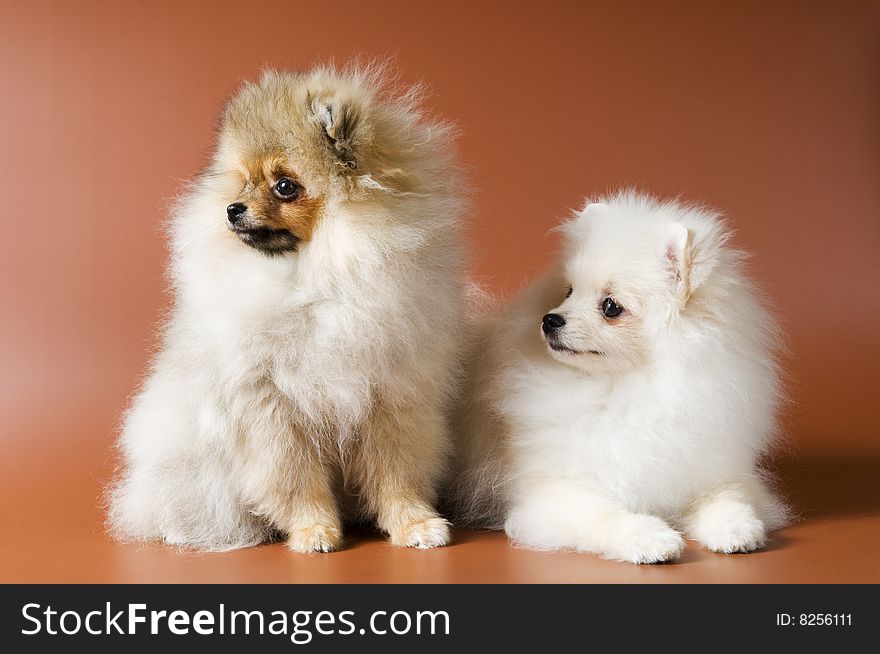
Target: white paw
pixel 530 528
pixel 424 534
pixel 728 527
pixel 315 539
pixel 176 539
pixel 644 539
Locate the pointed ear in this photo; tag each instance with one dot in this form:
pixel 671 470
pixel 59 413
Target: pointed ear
pixel 679 260
pixel 338 119
pixel 593 209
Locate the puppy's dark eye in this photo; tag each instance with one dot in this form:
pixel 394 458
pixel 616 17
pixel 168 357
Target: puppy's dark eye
pixel 287 189
pixel 570 291
pixel 610 308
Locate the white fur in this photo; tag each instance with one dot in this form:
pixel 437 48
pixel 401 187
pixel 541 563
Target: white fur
pixel 620 453
pixel 259 345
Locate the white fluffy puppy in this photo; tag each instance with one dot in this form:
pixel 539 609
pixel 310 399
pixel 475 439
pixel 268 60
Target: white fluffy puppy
pixel 311 349
pixel 639 407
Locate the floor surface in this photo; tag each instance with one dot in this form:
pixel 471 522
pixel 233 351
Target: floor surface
pixel 52 473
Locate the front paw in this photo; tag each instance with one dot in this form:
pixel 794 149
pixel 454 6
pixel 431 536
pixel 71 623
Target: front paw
pixel 644 539
pixel 423 534
pixel 729 527
pixel 315 539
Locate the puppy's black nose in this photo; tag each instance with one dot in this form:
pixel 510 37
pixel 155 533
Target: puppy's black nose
pixel 235 211
pixel 552 322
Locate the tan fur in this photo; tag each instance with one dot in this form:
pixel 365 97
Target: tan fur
pixel 261 171
pixel 304 379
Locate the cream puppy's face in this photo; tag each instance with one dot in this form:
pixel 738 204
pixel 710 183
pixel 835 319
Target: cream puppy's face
pixel 282 144
pixel 624 275
pixel 288 145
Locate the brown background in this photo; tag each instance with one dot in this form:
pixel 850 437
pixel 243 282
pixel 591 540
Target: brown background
pixel 769 111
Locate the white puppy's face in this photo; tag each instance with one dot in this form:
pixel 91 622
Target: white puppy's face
pixel 593 329
pixel 624 278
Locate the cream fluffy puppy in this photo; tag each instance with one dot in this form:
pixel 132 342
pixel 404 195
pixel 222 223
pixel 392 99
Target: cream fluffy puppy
pixel 306 364
pixel 639 407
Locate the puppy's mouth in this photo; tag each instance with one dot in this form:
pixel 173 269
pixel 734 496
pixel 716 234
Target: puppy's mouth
pixel 557 346
pixel 267 240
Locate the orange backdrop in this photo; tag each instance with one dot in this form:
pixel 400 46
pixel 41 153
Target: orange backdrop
pixel 769 111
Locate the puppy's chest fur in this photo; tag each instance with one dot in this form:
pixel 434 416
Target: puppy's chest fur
pixel 313 349
pixel 625 437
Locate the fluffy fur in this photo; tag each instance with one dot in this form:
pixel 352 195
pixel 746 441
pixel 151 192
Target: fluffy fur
pixel 305 368
pixel 614 435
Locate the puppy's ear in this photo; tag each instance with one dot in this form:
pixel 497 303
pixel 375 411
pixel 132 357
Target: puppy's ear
pixel 679 261
pixel 339 120
pixel 593 209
